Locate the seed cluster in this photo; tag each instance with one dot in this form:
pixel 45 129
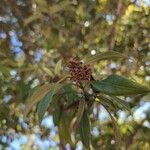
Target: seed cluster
pixel 79 71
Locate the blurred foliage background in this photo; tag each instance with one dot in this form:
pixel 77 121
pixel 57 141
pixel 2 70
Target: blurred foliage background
pixel 37 37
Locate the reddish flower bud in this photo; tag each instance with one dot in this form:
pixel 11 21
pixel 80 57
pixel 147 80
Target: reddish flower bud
pixel 79 71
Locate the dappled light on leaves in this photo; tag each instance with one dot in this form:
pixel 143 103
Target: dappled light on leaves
pixel 97 100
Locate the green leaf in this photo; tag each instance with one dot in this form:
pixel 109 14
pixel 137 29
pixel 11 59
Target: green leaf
pixel 57 115
pixel 80 111
pixel 121 102
pixel 118 85
pixel 63 128
pixel 113 102
pixel 4 110
pixel 44 104
pixel 116 130
pixel 56 8
pixel 84 130
pixel 32 18
pixel 41 3
pixel 47 71
pixel 58 67
pixel 36 97
pixel 40 93
pixel 107 102
pixel 5 70
pixel 70 93
pixel 103 56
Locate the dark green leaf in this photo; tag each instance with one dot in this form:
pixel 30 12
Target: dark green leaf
pixel 121 102
pixel 57 115
pixel 80 111
pixel 118 85
pixel 107 102
pixel 4 110
pixel 84 130
pixel 44 104
pixel 70 93
pixel 64 132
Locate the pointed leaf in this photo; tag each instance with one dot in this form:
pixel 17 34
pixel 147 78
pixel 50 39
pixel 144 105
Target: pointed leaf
pixel 58 67
pixel 37 96
pixel 104 56
pixel 116 130
pixel 63 128
pixel 40 93
pixel 31 18
pixel 118 85
pixel 47 71
pixel 57 115
pixel 44 104
pixel 80 111
pixel 84 130
pixel 107 102
pixel 123 103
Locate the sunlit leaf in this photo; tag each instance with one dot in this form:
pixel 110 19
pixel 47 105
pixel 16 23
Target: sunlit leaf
pixel 47 71
pixel 118 85
pixel 41 92
pixel 43 6
pixel 37 96
pixel 31 18
pixel 104 56
pixel 58 67
pixel 56 8
pixel 41 3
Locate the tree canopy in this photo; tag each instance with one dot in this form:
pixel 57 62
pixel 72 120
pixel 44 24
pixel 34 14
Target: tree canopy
pixel 75 74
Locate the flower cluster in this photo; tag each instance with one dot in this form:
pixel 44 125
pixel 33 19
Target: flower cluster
pixel 79 72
